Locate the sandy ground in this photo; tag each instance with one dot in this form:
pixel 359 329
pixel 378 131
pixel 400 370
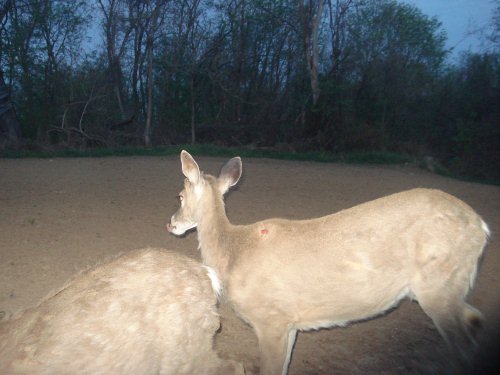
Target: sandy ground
pixel 59 216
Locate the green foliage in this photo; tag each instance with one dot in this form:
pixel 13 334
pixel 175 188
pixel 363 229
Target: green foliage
pixel 396 53
pixel 476 117
pixel 39 40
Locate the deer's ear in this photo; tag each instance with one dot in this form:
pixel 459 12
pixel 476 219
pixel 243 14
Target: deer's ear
pixel 189 167
pixel 229 174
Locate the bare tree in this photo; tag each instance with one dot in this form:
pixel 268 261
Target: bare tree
pixel 154 20
pixel 137 11
pixel 311 12
pixel 117 31
pixel 338 11
pixel 10 129
pixel 190 40
pixel 194 45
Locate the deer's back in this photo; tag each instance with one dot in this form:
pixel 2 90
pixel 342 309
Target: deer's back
pixel 362 256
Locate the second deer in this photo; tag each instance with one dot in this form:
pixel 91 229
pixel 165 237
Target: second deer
pixel 150 311
pixel 282 276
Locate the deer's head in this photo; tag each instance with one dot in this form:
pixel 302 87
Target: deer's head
pixel 200 192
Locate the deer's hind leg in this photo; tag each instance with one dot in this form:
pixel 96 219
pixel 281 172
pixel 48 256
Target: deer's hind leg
pixel 442 296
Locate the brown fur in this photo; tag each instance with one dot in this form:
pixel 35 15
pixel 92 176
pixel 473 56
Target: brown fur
pixel 282 276
pixel 149 311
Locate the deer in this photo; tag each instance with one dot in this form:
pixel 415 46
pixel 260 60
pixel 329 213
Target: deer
pixel 147 311
pixel 283 276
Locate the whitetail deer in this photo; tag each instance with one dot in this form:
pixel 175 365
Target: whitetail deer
pixel 146 312
pixel 282 276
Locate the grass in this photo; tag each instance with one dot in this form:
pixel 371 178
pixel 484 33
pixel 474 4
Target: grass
pixel 210 150
pixel 373 157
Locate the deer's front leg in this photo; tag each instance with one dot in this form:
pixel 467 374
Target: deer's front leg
pixel 276 344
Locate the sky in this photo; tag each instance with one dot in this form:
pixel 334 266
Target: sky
pixel 463 20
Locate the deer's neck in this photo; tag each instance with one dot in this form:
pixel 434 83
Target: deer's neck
pixel 214 239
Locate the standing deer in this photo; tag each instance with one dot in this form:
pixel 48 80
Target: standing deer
pixel 146 312
pixel 282 276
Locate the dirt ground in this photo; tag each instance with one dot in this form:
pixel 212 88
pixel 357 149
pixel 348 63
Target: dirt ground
pixel 58 216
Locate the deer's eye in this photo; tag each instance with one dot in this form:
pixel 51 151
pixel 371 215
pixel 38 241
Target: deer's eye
pixel 181 198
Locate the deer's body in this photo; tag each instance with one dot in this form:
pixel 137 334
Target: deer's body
pixel 146 312
pixel 282 276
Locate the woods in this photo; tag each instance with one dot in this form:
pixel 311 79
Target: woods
pixel 333 75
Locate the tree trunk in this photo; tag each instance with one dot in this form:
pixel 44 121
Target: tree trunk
pixel 149 111
pixel 10 129
pixel 193 115
pixel 311 19
pixel 149 47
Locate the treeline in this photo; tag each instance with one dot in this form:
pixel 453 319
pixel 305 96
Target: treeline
pixel 335 75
